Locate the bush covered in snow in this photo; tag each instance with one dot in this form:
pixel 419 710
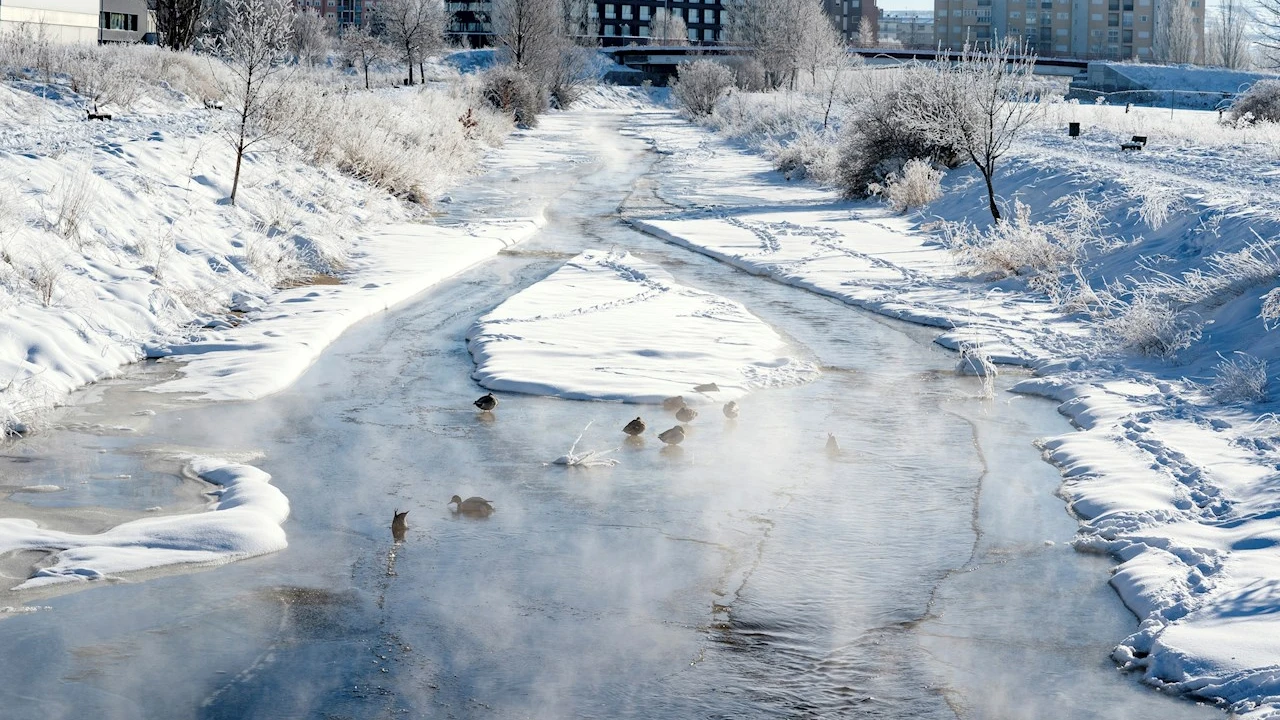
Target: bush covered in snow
pixel 919 183
pixel 878 143
pixel 700 85
pixel 510 91
pixel 1149 326
pixel 1260 104
pixel 1241 378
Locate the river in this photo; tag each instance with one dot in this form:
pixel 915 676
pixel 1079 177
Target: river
pixel 925 572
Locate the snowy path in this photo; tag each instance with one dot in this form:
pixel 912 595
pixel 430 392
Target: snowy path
pixel 1182 494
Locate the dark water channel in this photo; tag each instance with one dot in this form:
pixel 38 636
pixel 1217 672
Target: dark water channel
pixel 922 573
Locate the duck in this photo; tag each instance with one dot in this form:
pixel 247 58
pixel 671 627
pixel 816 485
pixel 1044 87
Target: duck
pixel 673 403
pixel 474 506
pixel 633 428
pixel 686 413
pixel 833 447
pixel 487 403
pixel 674 436
pixel 731 409
pixel 399 525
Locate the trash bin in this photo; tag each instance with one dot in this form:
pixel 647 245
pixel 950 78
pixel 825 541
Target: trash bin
pixel 1073 129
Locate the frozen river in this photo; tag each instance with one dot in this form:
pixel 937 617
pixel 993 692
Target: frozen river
pixel 924 573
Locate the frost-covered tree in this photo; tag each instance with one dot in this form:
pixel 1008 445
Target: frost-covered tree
pixel 977 102
pixel 178 22
pixel 361 48
pixel 530 33
pixel 576 16
pixel 700 84
pixel 414 27
pixel 254 45
pixel 1229 37
pixel 1178 34
pixel 312 37
pixel 666 28
pixel 775 33
pixel 866 34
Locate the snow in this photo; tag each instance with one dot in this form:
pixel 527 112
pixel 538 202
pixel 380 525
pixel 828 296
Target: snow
pixel 610 326
pixel 243 520
pixel 1178 488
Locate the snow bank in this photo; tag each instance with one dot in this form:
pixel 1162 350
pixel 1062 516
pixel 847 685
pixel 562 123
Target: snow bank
pixel 283 339
pixel 1179 487
pixel 243 520
pixel 609 326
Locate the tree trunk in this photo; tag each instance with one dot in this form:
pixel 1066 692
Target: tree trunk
pixel 366 74
pixel 235 183
pixel 991 194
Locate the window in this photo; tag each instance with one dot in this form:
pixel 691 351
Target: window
pixel 625 30
pixel 694 15
pixel 644 31
pixel 943 13
pixel 626 12
pixel 1015 14
pixel 708 34
pixel 693 34
pixel 609 30
pixel 1143 18
pixel 1063 16
pixel 644 12
pixel 610 11
pixel 1096 17
pixel 119 21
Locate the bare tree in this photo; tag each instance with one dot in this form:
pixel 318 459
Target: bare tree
pixel 178 22
pixel 979 102
pixel 775 32
pixel 255 44
pixel 529 32
pixel 312 37
pixel 415 27
pixel 361 48
pixel 1178 35
pixel 1229 36
pixel 667 28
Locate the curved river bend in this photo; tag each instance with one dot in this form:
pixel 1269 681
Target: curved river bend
pixel 923 573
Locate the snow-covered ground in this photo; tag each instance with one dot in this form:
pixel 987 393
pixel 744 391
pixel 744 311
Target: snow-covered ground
pixel 243 520
pixel 610 326
pixel 1178 486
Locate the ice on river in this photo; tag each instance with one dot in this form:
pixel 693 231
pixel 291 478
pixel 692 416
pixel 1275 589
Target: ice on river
pixel 610 326
pixel 243 520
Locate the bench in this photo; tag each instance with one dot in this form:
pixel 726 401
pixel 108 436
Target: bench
pixel 98 116
pixel 1137 143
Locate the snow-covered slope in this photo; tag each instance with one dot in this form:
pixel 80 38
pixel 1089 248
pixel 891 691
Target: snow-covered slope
pixel 1177 485
pixel 610 326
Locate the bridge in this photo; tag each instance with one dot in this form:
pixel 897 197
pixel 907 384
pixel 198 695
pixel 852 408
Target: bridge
pixel 658 62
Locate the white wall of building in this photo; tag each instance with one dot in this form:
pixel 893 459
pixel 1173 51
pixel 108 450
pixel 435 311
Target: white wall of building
pixel 66 21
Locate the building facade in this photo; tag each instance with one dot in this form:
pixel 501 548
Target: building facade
pixel 908 29
pixel 60 21
pixel 1085 29
pixel 125 21
pixel 849 16
pixel 627 22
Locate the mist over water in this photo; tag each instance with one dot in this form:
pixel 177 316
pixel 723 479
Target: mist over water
pixel 747 574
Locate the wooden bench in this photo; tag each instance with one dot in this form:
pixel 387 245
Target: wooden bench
pixel 98 116
pixel 1137 143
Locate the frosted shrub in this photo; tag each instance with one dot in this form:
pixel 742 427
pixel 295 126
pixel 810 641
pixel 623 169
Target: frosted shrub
pixel 918 184
pixel 514 93
pixel 1271 309
pixel 1227 275
pixel 976 362
pixel 1149 326
pixel 1260 104
pixel 878 142
pixel 700 85
pixel 809 154
pixel 73 200
pixel 1239 379
pixel 1015 247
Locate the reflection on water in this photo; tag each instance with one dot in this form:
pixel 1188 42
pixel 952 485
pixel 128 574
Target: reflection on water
pixel 742 573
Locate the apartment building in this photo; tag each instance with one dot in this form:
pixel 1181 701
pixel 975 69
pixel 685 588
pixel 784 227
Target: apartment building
pixel 1086 29
pixel 910 29
pixel 850 15
pixel 623 23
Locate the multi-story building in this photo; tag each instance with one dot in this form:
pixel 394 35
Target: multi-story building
pixel 910 29
pixel 849 16
pixel 1086 29
pixel 469 21
pixel 628 21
